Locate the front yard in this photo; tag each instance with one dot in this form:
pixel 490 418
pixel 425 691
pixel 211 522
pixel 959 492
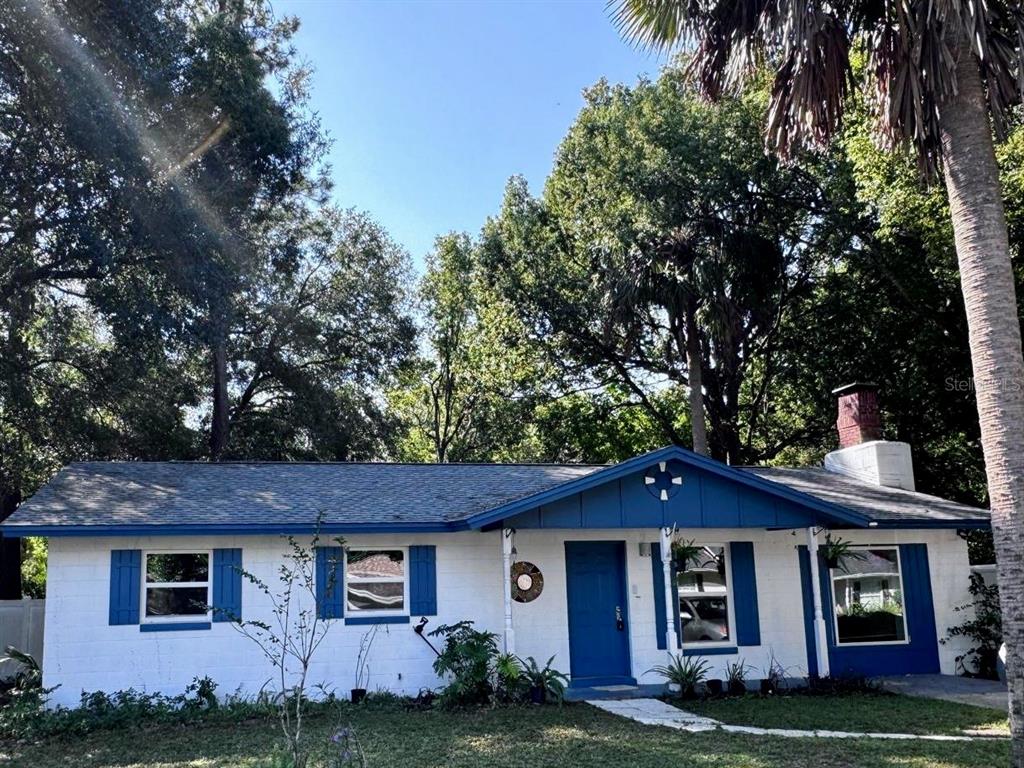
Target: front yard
pixel 549 737
pixel 860 712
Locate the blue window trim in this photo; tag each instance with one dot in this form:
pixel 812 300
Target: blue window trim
pixel 175 626
pixel 726 651
pixel 363 620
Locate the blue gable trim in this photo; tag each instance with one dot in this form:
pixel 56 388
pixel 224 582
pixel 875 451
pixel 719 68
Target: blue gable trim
pixel 712 495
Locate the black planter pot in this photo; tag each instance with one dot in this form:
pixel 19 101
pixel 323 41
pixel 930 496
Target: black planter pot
pixel 536 694
pixel 714 687
pixel 832 562
pixel 358 694
pixel 688 692
pixel 737 688
pixel 767 688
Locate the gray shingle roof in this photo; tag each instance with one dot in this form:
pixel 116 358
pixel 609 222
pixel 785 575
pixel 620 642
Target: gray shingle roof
pixel 876 502
pixel 240 494
pixel 244 496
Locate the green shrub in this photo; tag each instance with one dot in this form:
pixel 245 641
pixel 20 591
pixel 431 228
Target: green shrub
pixel 468 657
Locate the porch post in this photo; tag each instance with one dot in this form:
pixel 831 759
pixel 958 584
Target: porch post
pixel 820 637
pixel 671 639
pixel 506 587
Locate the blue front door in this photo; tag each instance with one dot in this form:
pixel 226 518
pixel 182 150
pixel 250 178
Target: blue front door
pixel 598 616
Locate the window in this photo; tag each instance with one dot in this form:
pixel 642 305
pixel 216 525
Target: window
pixel 177 585
pixel 867 592
pixel 375 580
pixel 704 596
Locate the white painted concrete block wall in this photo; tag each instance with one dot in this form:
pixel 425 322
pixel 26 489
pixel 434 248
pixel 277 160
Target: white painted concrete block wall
pixel 83 653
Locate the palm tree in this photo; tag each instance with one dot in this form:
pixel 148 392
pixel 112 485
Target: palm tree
pixel 940 76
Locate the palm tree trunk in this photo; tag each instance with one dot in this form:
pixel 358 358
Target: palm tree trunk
pixel 695 373
pixel 986 276
pixel 219 424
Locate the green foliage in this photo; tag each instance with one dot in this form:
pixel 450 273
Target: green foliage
pixel 468 657
pixel 686 672
pixel 983 628
pixel 547 679
pixel 33 567
pixel 654 216
pixel 26 717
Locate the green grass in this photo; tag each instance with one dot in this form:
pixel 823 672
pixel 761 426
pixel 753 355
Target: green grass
pixel 862 712
pixel 576 735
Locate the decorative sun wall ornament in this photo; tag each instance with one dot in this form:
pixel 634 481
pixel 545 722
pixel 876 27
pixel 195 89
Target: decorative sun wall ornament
pixel 662 482
pixel 527 582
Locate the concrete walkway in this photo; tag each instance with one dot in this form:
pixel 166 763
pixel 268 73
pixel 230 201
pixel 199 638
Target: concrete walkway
pixel 656 712
pixel 962 690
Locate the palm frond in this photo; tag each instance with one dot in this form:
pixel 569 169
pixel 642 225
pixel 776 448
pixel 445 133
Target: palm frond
pixel 651 24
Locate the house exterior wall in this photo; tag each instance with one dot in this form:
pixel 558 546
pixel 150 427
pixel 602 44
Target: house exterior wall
pixel 82 652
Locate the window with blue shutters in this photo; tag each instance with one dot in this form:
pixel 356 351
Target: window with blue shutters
pixel 170 590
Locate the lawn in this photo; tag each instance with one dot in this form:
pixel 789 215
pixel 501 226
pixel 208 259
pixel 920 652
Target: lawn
pixel 863 712
pixel 576 735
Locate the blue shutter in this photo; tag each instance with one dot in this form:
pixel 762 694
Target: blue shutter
pixel 423 580
pixel 125 582
pixel 330 593
pixel 744 592
pixel 659 596
pixel 227 584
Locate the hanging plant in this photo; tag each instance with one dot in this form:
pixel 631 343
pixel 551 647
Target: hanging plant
pixel 684 553
pixel 835 551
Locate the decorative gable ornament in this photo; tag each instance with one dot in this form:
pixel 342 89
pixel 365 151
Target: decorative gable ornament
pixel 662 482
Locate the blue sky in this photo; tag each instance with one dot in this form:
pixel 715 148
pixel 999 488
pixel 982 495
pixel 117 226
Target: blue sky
pixel 433 105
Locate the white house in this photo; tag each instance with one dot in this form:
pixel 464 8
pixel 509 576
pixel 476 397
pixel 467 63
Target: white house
pixel 568 560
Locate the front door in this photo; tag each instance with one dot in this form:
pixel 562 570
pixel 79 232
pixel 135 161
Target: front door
pixel 598 617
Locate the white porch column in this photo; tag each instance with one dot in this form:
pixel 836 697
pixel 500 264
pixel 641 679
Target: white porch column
pixel 671 639
pixel 820 636
pixel 506 587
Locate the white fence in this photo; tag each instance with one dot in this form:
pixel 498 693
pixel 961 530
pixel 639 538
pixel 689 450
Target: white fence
pixel 21 625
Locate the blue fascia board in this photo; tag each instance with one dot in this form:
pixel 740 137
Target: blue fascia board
pixel 669 453
pixel 235 529
pixel 176 626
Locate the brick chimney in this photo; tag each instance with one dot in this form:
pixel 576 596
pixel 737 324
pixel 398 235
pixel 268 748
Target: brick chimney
pixel 859 420
pixel 863 454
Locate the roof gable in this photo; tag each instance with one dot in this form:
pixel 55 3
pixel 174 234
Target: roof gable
pixel 670 486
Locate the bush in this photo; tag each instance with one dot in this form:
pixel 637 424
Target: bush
pixel 26 717
pixel 984 629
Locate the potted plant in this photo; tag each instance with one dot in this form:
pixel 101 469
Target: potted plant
pixel 836 550
pixel 683 673
pixel 546 683
pixel 736 676
pixel 684 553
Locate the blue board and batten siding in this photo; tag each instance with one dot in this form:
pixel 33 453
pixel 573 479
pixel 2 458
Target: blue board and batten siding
pixel 918 656
pixel 702 501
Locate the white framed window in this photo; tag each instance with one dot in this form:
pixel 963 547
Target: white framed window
pixel 376 581
pixel 705 598
pixel 867 593
pixel 176 585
